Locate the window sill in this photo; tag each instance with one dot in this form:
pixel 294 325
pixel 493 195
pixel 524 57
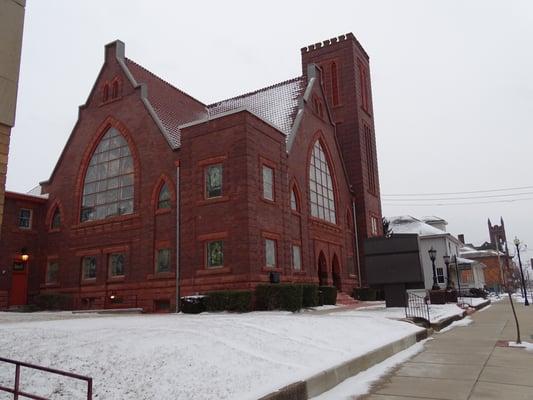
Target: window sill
pixel 300 272
pixel 88 282
pixel 213 271
pixel 213 200
pixel 296 213
pixel 119 278
pixel 118 218
pixel 163 211
pixel 327 224
pixel 161 275
pixel 49 285
pixel 271 269
pixel 54 230
pixel 267 201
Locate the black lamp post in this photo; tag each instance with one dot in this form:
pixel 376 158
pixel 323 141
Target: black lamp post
pixel 517 244
pixel 433 254
pixel 447 262
pixel 454 261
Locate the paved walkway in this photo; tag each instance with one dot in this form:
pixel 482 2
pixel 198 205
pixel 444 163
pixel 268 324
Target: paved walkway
pixel 466 363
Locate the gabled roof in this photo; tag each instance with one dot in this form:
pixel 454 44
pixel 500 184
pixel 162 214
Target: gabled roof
pixel 276 104
pixel 172 106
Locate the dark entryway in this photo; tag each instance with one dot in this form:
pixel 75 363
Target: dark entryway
pixel 322 270
pixel 336 269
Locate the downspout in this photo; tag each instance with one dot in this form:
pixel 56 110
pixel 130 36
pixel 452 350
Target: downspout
pixel 178 238
pixel 356 240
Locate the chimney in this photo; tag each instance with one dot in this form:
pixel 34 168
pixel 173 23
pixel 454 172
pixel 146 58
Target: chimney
pixel 461 238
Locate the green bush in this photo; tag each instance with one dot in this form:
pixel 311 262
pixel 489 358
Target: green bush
pixel 235 301
pixel 193 304
pixel 329 294
pixel 278 297
pixel 309 295
pixel 52 301
pixel 365 294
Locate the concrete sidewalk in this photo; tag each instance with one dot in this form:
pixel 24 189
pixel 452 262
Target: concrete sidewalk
pixel 467 363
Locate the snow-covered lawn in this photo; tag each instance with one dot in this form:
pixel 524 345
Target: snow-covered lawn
pixel 437 312
pixel 206 356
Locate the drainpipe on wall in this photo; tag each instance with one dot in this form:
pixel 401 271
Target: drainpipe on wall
pixel 356 239
pixel 177 238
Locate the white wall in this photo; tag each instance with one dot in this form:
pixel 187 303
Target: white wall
pixel 443 245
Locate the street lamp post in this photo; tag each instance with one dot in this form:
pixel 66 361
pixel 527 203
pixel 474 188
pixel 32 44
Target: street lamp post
pixel 432 255
pixel 447 262
pixel 517 244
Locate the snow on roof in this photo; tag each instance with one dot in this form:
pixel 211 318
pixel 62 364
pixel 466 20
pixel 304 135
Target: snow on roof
pixel 172 106
pixel 432 218
pixel 469 251
pixel 277 104
pixel 461 260
pixel 409 224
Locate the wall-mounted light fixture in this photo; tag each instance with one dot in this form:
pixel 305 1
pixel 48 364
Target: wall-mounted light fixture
pixel 24 254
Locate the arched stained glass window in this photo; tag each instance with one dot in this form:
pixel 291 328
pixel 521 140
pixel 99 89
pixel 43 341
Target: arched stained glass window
pixel 108 185
pixel 321 186
pixel 163 200
pixel 294 200
pixel 56 219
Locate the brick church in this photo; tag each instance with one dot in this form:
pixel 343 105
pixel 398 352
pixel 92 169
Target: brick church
pixel 157 195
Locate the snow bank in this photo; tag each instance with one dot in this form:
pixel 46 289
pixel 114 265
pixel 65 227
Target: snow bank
pixel 472 301
pixel 360 384
pixel 462 322
pixel 206 356
pixel 528 346
pixel 437 312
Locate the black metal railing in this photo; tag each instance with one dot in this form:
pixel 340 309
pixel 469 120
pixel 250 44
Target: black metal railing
pixel 17 392
pixel 416 307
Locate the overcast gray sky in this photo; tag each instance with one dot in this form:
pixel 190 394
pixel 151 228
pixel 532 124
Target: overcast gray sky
pixel 452 84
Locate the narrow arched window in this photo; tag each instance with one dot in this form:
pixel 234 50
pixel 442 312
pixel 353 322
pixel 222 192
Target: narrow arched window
pixel 163 201
pixel 56 219
pixel 294 200
pixel 105 95
pixel 322 198
pixel 115 89
pixel 334 84
pixel 108 184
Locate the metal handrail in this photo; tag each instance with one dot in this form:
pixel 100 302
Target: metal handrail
pixel 416 307
pixel 16 389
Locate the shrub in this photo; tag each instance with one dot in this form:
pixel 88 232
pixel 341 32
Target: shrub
pixel 52 301
pixel 365 294
pixel 278 297
pixel 329 294
pixel 236 301
pixel 192 304
pixel 310 295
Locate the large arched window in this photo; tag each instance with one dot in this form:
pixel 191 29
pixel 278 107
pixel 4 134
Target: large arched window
pixel 108 185
pixel 321 186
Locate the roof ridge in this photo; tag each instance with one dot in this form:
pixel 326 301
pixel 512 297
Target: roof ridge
pixel 256 91
pixel 164 81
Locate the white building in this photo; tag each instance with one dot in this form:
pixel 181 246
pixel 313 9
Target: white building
pixel 432 234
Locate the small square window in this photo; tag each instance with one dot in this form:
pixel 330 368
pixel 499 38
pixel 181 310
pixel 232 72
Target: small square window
pixel 297 258
pixel 440 275
pixel 88 265
pixel 215 254
pixel 116 264
pixel 52 272
pixel 268 183
pixel 213 181
pixel 270 253
pixel 24 221
pixel 162 262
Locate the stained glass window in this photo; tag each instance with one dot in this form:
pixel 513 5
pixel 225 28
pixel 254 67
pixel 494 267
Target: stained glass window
pixel 296 258
pixel 215 253
pixel 213 181
pixel 164 197
pixel 88 265
pixel 52 272
pixel 321 186
pixel 268 183
pixel 294 201
pixel 162 262
pixel 270 253
pixel 56 219
pixel 116 264
pixel 108 185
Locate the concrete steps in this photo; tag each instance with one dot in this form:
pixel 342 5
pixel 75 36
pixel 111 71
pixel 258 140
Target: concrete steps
pixel 345 299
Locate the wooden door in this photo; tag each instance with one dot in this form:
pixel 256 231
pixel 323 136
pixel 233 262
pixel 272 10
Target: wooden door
pixel 19 284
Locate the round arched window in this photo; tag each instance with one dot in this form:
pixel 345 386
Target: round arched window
pixel 108 184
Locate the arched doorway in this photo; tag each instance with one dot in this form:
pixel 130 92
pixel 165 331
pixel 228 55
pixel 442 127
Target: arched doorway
pixel 322 270
pixel 336 272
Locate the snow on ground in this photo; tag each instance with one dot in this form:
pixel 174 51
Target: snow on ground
pixel 528 346
pixel 180 356
pixel 472 301
pixel 6 317
pixel 462 322
pixel 437 312
pixel 360 384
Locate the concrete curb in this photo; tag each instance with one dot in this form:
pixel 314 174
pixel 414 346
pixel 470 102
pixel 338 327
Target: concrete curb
pixel 437 326
pixel 331 377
